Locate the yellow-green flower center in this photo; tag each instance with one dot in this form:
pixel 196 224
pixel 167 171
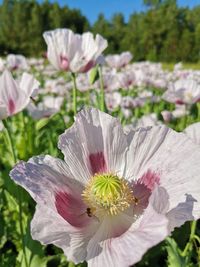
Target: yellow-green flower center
pixel 107 194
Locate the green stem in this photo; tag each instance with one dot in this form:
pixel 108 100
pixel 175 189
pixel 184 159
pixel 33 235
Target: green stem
pixel 12 150
pixel 25 131
pixel 71 264
pixel 198 114
pixel 188 245
pixel 102 92
pixel 88 97
pixel 10 141
pixel 193 229
pixel 192 236
pixel 74 93
pixel 62 119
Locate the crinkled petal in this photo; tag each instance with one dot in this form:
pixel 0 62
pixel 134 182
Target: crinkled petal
pixel 28 84
pixel 43 176
pixel 173 158
pixel 128 248
pixel 95 143
pixel 193 132
pixel 9 93
pixel 49 228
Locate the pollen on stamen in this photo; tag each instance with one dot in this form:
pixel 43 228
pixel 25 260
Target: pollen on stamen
pixel 107 194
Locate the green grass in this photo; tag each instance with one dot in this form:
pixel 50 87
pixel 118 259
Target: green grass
pixel 170 66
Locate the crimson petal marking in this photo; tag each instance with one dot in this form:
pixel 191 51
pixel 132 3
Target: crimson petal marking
pixel 87 67
pixel 11 106
pixel 150 179
pixel 97 163
pixel 179 102
pixel 142 193
pixel 72 209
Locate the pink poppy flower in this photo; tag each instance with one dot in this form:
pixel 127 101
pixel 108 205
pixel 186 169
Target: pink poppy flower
pixel 119 61
pixel 116 195
pixel 73 52
pixel 15 97
pixel 15 62
pixel 183 91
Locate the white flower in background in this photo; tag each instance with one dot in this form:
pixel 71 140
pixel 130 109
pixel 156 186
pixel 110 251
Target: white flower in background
pixel 148 120
pixel 113 100
pixel 126 79
pixel 54 102
pixel 110 82
pixel 15 62
pixel 35 62
pixel 73 52
pixel 83 83
pixel 56 86
pixel 40 111
pixel 145 94
pixel 127 113
pixel 178 66
pixel 193 132
pixel 48 107
pixel 14 97
pixel 144 121
pixel 180 111
pixel 127 102
pixel 160 83
pixel 167 115
pixel 183 91
pixel 119 61
pixel 140 78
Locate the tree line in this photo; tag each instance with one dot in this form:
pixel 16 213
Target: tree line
pixel 164 32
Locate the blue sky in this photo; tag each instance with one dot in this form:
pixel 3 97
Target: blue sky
pixel 91 8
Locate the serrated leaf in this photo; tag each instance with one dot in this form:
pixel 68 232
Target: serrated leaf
pixel 174 258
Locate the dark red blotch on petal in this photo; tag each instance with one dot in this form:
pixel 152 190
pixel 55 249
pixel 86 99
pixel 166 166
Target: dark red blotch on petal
pixel 88 66
pixel 72 209
pixel 150 179
pixel 97 163
pixel 179 102
pixel 11 106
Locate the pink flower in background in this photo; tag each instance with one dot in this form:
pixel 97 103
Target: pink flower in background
pixel 73 52
pixel 126 79
pixel 167 115
pixel 15 62
pixel 15 97
pixel 119 61
pixel 116 195
pixel 183 91
pixel 113 100
pixel 49 106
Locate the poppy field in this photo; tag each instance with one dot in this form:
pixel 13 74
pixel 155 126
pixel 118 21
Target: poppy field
pixel 99 158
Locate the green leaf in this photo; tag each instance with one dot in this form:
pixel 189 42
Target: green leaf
pixel 33 260
pixel 174 258
pixel 94 75
pixel 41 123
